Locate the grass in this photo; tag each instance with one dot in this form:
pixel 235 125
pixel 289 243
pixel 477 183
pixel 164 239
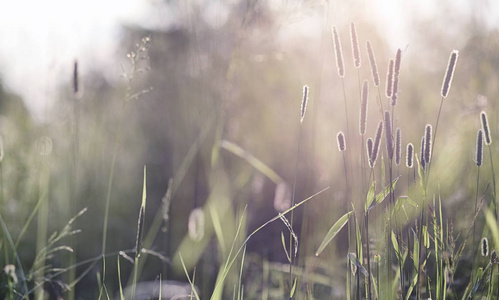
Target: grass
pixel 401 241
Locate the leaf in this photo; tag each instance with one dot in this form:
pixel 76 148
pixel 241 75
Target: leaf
pixel 400 204
pixel 252 160
pixel 421 176
pixel 381 196
pixel 370 196
pixel 333 231
pixel 415 253
pixel 284 246
pixel 357 263
pixel 396 246
pixel 413 284
pixel 492 224
pixel 426 237
pixel 293 289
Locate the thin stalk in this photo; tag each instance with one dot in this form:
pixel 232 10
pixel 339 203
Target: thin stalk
pixel 346 107
pixel 42 226
pixel 434 138
pixel 348 224
pixel 366 221
pixel 493 181
pixel 73 186
pixel 420 236
pixel 380 103
pixel 117 139
pixel 474 223
pixel 291 254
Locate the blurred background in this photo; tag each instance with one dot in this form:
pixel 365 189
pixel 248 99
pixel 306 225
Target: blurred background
pixel 228 70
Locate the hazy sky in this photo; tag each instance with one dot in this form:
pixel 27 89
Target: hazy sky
pixel 40 39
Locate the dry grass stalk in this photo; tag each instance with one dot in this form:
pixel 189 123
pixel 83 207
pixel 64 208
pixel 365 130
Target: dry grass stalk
pixel 363 107
pixel 398 146
pixel 388 135
pixel 338 52
pixel 341 141
pixel 355 45
pixel 389 79
pixel 427 149
pixel 484 246
pixel 450 73
pixel 485 127
pixel 369 144
pixel 372 63
pixel 304 102
pixel 479 148
pixel 377 142
pixel 409 158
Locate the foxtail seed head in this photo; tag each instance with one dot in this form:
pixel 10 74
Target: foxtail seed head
pixel 485 127
pixel 75 78
pixel 388 134
pixel 450 73
pixel 338 52
pixel 396 75
pixel 341 141
pixel 377 142
pixel 355 45
pixel 372 63
pixel 484 245
pixel 398 58
pixel 479 148
pixel 389 79
pixel 421 153
pixel 395 90
pixel 493 257
pixel 427 148
pixel 409 155
pixel 369 144
pixel 304 102
pixel 363 107
pixel 398 146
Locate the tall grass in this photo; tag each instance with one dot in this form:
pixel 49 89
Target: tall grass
pixel 405 247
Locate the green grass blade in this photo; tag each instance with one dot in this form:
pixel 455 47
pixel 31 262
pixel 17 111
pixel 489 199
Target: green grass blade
pixel 381 196
pixel 333 231
pixel 370 196
pixel 253 161
pixel 220 281
pixel 193 288
pixel 122 297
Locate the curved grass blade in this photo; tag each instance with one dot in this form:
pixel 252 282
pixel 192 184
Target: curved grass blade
pixel 356 262
pixel 381 196
pixel 252 160
pixel 334 231
pixel 226 269
pixel 370 196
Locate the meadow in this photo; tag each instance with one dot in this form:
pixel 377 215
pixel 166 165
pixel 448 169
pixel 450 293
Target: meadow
pixel 258 169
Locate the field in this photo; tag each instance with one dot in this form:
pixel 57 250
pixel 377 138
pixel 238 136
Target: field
pixel 252 159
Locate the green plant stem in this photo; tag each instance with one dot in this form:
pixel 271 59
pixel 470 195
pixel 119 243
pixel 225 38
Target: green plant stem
pixel 421 243
pixel 473 254
pixel 346 107
pixel 291 253
pixel 117 139
pixel 345 173
pixel 73 186
pixel 366 221
pixel 434 138
pixel 493 182
pixel 42 227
